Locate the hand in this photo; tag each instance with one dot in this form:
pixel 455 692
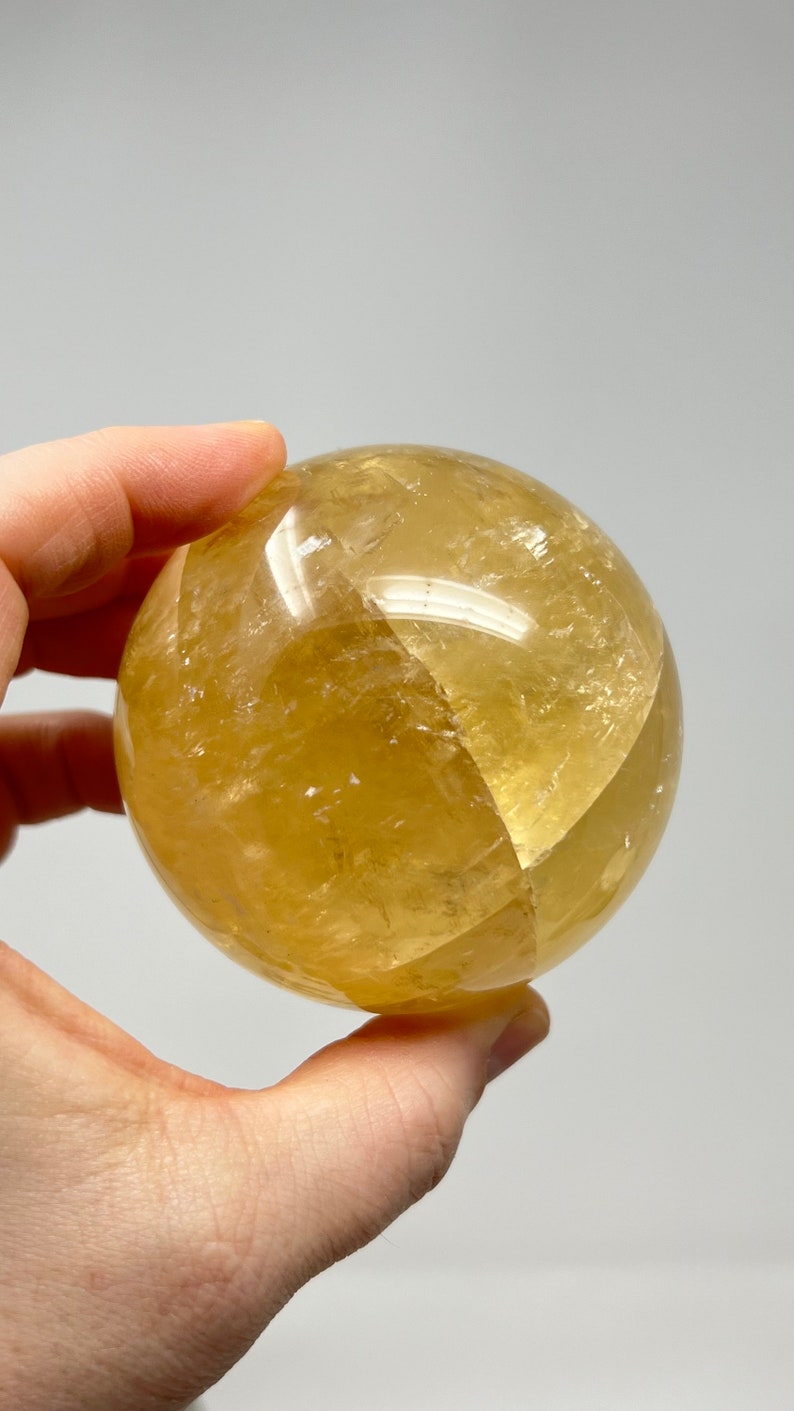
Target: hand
pixel 152 1223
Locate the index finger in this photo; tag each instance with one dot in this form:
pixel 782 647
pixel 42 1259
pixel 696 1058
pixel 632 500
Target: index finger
pixel 70 510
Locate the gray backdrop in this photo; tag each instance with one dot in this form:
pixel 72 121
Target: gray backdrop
pixel 558 234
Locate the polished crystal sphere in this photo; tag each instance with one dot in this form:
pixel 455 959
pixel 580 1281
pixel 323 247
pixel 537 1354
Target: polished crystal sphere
pixel 405 731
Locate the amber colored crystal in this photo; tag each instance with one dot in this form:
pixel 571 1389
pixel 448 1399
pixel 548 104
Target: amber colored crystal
pixel 408 729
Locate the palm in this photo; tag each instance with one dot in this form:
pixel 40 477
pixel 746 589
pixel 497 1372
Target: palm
pixel 191 1154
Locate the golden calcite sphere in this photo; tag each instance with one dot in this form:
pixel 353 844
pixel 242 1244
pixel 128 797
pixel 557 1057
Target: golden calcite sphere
pixel 406 730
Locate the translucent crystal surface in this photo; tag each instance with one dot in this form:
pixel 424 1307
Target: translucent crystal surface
pixel 406 730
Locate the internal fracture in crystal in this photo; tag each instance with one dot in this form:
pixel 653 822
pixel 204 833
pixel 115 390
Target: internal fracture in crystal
pixel 407 730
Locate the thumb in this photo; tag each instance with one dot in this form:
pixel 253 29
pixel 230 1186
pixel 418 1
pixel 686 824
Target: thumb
pixel 370 1124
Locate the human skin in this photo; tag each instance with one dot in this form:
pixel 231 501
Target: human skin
pixel 152 1222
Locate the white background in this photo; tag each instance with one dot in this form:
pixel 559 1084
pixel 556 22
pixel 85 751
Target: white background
pixel 558 234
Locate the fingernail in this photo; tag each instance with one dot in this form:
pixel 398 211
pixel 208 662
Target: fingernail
pixel 524 1032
